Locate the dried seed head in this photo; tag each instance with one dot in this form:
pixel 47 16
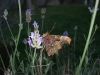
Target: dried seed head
pixel 5 14
pixel 43 10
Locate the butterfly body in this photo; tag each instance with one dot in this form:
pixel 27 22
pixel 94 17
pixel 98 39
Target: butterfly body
pixel 53 43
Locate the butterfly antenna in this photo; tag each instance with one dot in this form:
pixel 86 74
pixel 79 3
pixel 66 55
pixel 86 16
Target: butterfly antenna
pixel 52 27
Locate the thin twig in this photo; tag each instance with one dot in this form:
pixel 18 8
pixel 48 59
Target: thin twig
pixel 52 27
pixel 40 61
pixel 42 65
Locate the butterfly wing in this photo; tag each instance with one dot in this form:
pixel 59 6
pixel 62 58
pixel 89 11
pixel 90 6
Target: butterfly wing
pixel 53 43
pixel 65 40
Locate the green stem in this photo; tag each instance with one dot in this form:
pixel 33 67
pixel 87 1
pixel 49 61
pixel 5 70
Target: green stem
pixel 88 39
pixel 20 28
pixel 74 41
pixel 20 16
pixel 28 31
pixel 33 59
pixel 9 28
pixel 34 56
pixel 3 63
pixel 20 19
pixel 20 23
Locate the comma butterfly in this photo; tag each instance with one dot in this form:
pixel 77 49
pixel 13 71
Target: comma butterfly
pixel 53 43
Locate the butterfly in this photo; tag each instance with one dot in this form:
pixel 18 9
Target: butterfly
pixel 53 43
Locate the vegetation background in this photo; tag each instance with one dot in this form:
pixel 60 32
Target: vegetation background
pixel 66 18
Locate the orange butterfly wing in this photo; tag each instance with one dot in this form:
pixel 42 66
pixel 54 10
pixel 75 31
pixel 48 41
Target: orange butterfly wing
pixel 53 43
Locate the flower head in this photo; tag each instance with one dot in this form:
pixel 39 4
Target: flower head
pixel 43 10
pixel 75 28
pixel 35 25
pixel 65 33
pixel 28 15
pixel 35 40
pixel 28 12
pixel 5 14
pixel 25 41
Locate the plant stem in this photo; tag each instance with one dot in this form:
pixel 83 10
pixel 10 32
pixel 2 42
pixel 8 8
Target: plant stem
pixel 88 39
pixel 20 16
pixel 28 29
pixel 34 56
pixel 20 19
pixel 33 59
pixel 3 63
pixel 20 28
pixel 9 28
pixel 40 61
